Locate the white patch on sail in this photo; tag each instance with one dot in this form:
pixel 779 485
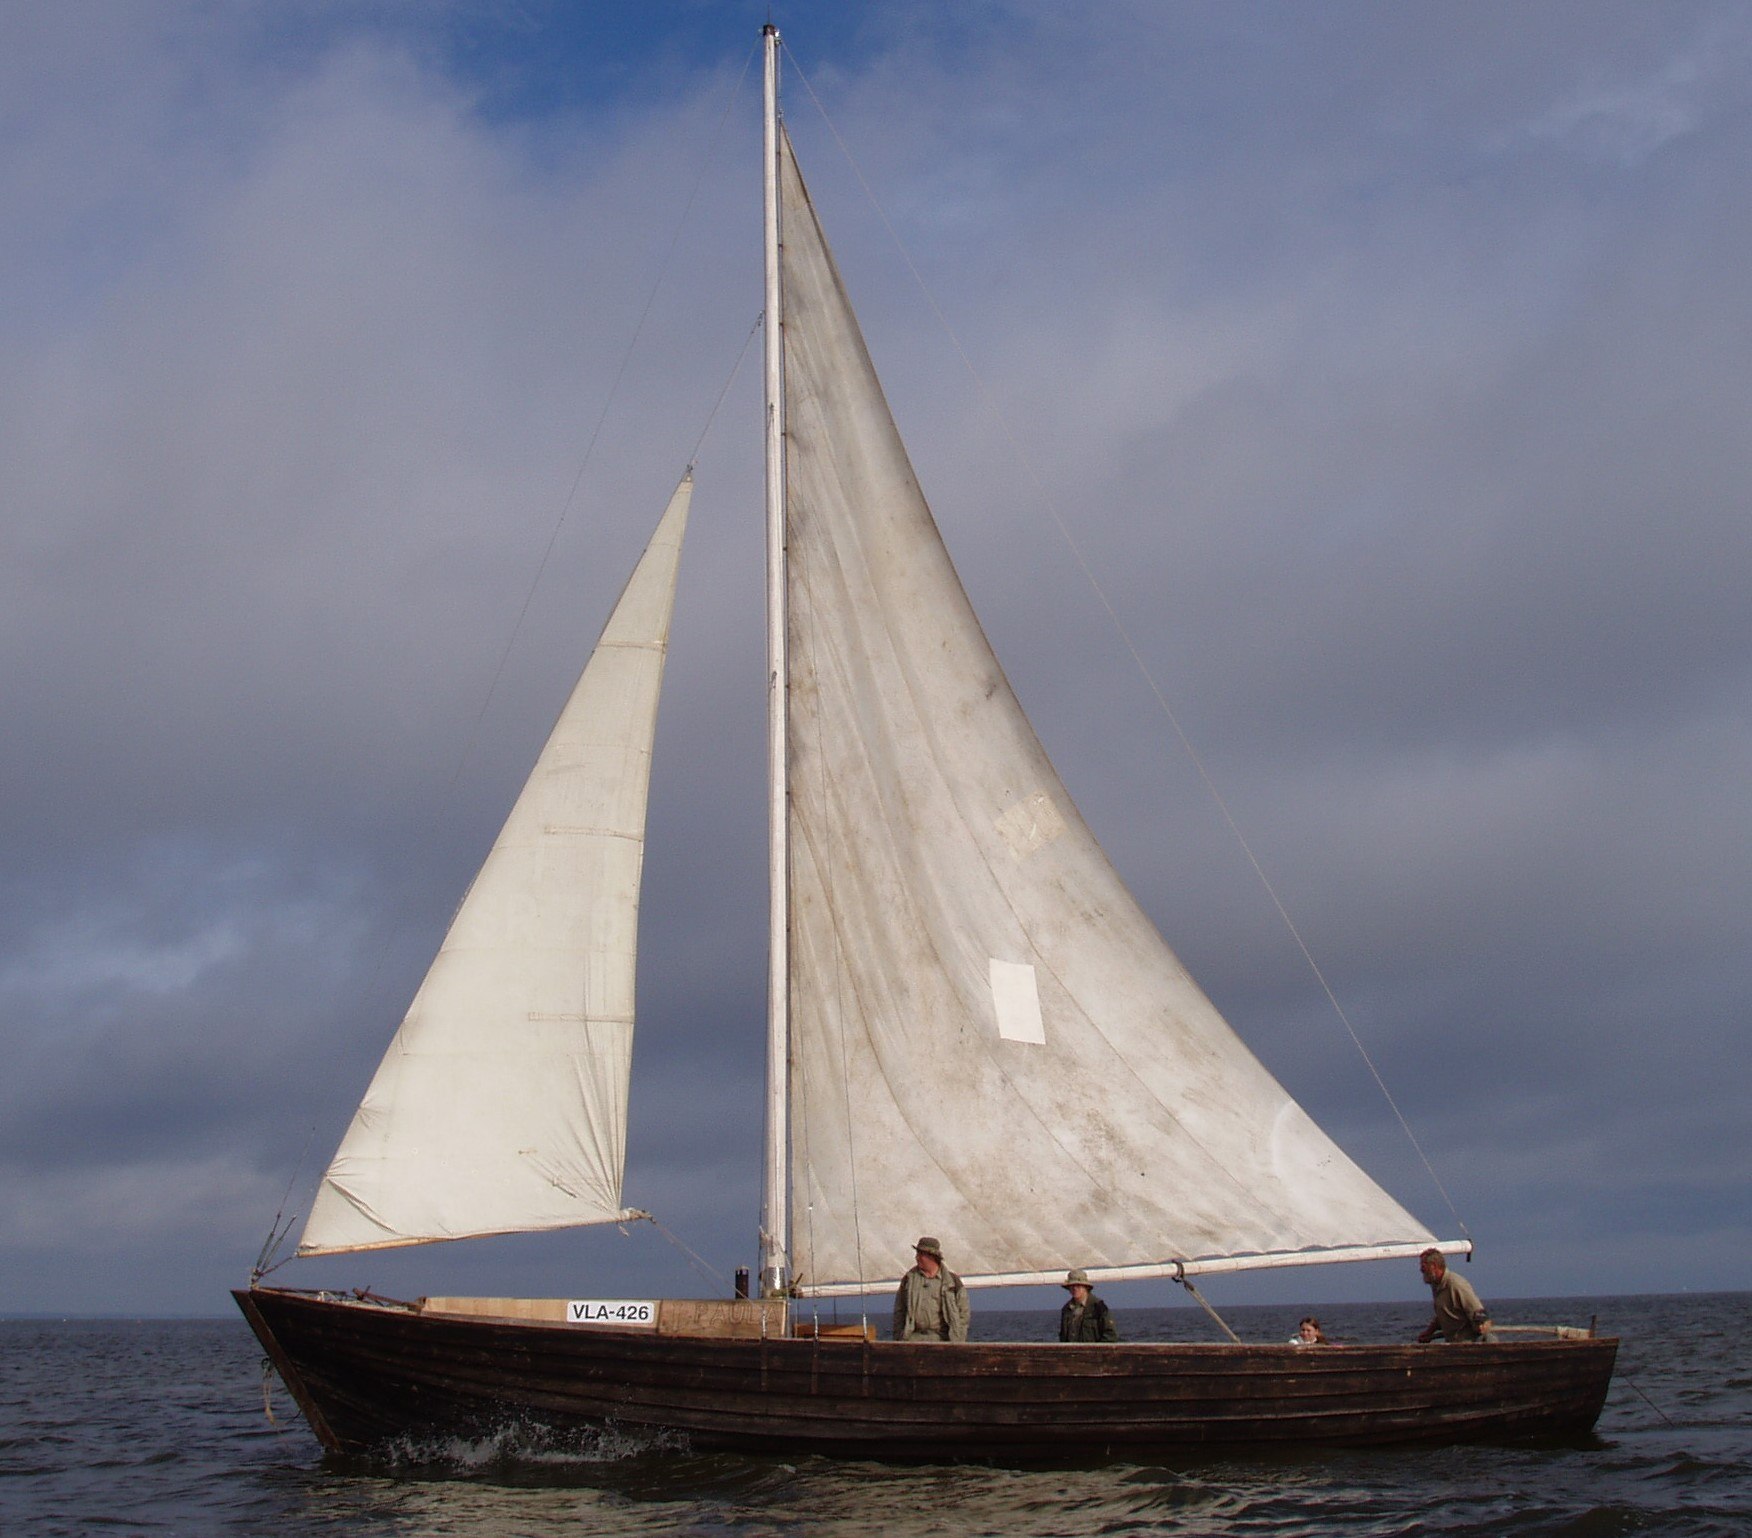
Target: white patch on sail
pixel 1016 996
pixel 1031 823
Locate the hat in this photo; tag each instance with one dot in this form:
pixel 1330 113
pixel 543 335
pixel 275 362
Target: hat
pixel 1075 1279
pixel 928 1246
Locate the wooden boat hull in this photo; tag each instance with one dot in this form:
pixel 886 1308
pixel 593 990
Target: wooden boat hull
pixel 373 1377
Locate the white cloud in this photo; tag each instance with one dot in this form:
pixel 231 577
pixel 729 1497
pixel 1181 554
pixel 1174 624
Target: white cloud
pixel 1630 102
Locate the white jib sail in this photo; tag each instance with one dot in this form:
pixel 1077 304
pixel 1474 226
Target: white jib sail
pixel 501 1104
pixel 991 1043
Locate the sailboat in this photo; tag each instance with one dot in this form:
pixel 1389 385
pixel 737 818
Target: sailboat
pixel 974 1030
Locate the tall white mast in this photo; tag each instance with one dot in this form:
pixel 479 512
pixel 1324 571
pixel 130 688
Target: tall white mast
pixel 774 1254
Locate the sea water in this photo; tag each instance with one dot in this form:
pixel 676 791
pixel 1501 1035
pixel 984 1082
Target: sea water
pixel 124 1427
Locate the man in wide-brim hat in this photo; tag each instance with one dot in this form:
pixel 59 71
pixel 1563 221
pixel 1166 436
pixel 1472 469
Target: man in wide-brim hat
pixel 1084 1317
pixel 930 1303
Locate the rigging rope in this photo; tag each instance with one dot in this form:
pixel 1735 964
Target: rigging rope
pixel 1049 502
pixel 735 369
pixel 265 1262
pixel 704 1267
pixel 1645 1398
pixel 1186 1282
pixel 602 420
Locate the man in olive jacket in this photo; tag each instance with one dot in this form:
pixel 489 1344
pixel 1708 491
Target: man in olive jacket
pixel 1084 1317
pixel 1459 1315
pixel 930 1303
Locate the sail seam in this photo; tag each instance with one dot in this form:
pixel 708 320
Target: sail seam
pixel 579 1016
pixel 561 829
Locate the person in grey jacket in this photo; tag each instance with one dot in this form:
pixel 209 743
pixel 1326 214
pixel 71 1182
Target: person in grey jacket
pixel 930 1303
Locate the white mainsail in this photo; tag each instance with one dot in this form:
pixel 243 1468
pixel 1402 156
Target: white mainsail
pixel 501 1104
pixel 990 1041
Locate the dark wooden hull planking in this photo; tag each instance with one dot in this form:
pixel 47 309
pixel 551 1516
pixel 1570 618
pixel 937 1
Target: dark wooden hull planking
pixel 370 1376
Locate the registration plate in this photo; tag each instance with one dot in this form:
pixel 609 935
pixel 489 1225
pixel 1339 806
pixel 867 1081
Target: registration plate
pixel 611 1311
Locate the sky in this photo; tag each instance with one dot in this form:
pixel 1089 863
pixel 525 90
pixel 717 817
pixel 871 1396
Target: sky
pixel 1387 367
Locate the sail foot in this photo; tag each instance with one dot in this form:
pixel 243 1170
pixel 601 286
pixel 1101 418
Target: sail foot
pixel 1212 1265
pixel 626 1215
